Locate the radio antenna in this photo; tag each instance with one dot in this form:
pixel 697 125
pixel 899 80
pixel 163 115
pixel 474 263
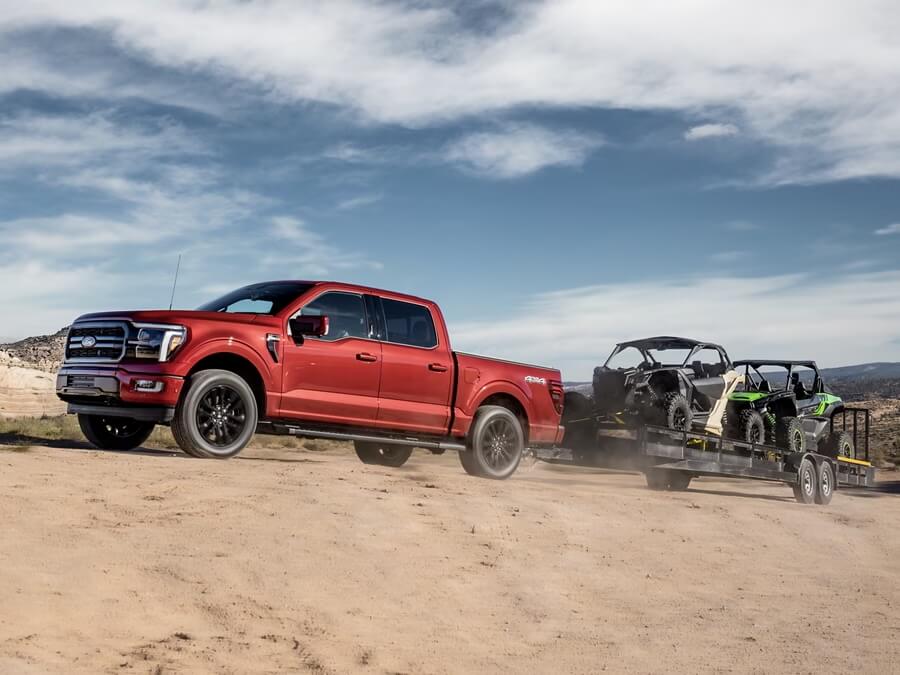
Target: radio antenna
pixel 175 283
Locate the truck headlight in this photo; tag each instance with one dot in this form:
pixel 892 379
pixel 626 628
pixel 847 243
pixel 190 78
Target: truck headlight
pixel 158 341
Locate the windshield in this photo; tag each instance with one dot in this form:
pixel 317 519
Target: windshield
pixel 266 298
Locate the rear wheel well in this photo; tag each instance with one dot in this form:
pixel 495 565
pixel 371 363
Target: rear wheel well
pixel 512 404
pixel 241 367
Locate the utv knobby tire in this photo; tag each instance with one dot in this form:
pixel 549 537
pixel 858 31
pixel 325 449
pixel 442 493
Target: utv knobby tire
pixel 752 427
pixel 668 479
pixel 495 445
pixel 223 389
pixel 789 434
pixel 840 444
pixel 825 483
pixel 807 482
pixel 382 454
pixel 114 433
pixel 677 412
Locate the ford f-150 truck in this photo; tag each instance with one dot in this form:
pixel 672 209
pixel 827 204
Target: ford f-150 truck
pixel 312 359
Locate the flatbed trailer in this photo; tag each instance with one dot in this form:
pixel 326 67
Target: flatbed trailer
pixel 671 458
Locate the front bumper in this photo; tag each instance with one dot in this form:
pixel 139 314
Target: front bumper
pixel 119 389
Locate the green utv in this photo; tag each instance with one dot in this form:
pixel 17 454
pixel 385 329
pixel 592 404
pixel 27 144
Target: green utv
pixel 786 403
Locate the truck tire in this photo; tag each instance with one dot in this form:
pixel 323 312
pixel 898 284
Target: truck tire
pixel 752 427
pixel 790 435
pixel 677 411
pixel 825 483
pixel 382 454
pixel 840 444
pixel 807 485
pixel 216 416
pixel 495 445
pixel 114 433
pixel 667 479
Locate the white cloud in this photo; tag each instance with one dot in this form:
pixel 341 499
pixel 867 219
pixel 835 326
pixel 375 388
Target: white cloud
pixel 359 201
pixel 890 229
pixel 830 102
pixel 520 150
pixel 704 131
pixel 855 319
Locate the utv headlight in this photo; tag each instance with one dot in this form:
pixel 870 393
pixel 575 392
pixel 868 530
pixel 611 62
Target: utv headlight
pixel 158 341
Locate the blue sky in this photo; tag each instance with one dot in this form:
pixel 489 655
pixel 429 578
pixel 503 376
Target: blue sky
pixel 558 175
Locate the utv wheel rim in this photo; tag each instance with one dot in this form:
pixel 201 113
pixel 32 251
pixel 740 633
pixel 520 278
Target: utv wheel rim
pixel 500 440
pixel 221 416
pixel 755 435
pixel 679 419
pixel 798 440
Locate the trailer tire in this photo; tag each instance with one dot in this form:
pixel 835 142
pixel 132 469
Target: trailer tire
pixel 114 433
pixel 382 454
pixel 790 435
pixel 495 445
pixel 840 444
pixel 806 489
pixel 825 483
pixel 677 410
pixel 667 479
pixel 227 407
pixel 752 427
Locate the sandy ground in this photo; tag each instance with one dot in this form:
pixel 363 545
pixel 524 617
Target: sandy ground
pixel 293 560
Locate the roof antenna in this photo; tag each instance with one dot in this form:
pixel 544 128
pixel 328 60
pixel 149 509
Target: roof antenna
pixel 175 283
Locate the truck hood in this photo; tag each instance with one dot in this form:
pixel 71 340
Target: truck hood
pixel 180 316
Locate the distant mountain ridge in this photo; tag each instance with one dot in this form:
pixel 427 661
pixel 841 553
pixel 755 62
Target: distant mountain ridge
pixel 870 371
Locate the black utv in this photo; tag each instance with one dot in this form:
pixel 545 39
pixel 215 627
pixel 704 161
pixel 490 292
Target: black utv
pixel 675 382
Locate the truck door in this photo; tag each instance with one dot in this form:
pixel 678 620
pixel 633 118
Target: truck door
pixel 417 371
pixel 334 378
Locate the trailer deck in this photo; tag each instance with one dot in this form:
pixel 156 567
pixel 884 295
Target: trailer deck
pixel 670 458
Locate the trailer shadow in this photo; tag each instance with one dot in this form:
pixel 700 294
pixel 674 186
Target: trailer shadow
pixel 733 493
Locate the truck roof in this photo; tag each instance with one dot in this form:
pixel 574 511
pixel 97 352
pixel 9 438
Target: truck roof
pixel 355 287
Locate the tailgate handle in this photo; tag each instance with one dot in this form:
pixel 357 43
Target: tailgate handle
pixel 365 356
pixel 437 367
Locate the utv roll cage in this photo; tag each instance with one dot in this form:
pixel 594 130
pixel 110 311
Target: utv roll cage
pixel 665 342
pixel 757 381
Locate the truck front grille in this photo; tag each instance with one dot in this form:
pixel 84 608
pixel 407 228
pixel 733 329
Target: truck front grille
pixel 97 341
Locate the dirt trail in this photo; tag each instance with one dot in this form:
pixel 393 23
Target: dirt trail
pixel 309 561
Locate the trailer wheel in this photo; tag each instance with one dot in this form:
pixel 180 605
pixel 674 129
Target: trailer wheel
pixel 840 444
pixel 677 411
pixel 790 434
pixel 495 445
pixel 825 484
pixel 752 427
pixel 667 479
pixel 807 486
pixel 382 454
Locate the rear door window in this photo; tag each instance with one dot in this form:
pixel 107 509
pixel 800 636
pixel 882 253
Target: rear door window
pixel 409 324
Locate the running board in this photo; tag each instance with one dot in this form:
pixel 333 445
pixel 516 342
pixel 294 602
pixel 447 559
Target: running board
pixel 368 438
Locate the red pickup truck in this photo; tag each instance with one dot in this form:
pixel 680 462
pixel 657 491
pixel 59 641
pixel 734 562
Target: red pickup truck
pixel 311 359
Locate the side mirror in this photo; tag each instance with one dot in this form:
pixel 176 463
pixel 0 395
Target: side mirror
pixel 313 326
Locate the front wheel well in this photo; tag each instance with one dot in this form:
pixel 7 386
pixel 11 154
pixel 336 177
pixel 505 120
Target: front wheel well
pixel 512 404
pixel 239 366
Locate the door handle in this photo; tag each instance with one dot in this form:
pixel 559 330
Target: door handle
pixel 365 356
pixel 437 367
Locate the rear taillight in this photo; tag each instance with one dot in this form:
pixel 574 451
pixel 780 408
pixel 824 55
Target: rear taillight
pixel 556 393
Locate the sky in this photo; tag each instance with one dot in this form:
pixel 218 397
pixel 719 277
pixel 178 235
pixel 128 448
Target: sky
pixel 559 175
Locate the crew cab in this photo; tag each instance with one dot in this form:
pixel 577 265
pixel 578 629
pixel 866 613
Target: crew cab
pixel 311 359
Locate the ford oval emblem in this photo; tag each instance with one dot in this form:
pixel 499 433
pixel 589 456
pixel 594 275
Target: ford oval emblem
pixel 88 341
